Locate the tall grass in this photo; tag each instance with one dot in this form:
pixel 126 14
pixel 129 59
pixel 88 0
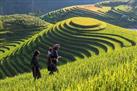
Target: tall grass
pixel 109 72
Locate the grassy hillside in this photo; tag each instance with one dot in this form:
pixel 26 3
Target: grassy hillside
pixel 14 29
pixel 116 12
pixel 17 24
pixel 124 10
pixel 115 71
pixel 80 38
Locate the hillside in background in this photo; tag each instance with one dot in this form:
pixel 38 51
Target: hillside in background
pixel 37 6
pixel 120 13
pixel 16 28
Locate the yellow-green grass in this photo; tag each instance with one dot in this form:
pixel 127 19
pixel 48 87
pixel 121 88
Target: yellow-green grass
pixel 76 43
pixel 83 24
pixel 125 8
pixel 112 71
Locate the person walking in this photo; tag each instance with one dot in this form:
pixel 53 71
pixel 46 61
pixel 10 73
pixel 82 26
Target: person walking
pixel 50 65
pixel 35 65
pixel 55 55
pixel 53 59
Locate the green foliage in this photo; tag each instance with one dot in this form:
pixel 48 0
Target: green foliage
pixel 20 21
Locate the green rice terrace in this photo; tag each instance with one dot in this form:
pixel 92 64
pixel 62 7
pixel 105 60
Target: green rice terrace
pixel 98 54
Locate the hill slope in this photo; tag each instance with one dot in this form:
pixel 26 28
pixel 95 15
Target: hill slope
pixel 112 71
pixel 116 12
pixel 80 38
pixel 14 28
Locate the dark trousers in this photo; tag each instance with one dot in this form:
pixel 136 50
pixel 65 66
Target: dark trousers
pixel 52 67
pixel 36 72
pixel 55 62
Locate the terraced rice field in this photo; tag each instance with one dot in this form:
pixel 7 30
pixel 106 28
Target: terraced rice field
pixel 116 15
pixel 80 38
pixel 104 54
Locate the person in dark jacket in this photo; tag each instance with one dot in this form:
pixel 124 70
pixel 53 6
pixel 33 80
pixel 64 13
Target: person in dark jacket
pixel 50 65
pixel 55 56
pixel 35 65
